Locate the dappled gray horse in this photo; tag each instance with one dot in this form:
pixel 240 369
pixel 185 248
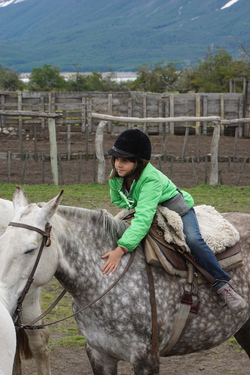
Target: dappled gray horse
pixel 118 326
pixel 38 339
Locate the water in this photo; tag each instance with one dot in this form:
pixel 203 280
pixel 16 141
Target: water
pixel 119 76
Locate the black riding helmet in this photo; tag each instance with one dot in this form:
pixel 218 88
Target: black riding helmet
pixel 132 143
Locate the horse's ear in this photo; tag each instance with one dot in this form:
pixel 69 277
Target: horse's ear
pixel 19 198
pixel 50 208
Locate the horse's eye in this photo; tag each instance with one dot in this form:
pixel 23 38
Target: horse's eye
pixel 29 251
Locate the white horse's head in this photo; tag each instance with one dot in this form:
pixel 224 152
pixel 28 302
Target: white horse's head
pixel 19 249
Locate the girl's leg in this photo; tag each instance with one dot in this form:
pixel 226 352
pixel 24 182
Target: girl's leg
pixel 206 258
pixel 201 251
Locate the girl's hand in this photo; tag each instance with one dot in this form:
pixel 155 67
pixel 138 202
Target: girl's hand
pixel 114 258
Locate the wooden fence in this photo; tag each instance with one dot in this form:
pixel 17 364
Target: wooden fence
pixel 218 126
pixel 76 110
pixel 75 114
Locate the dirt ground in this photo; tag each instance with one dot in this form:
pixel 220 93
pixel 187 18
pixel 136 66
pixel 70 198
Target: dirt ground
pixel 184 174
pixel 225 359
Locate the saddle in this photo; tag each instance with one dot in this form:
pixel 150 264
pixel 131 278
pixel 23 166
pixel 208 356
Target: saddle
pixel 173 258
pixel 165 246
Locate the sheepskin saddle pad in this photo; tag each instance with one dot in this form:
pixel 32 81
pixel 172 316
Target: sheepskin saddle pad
pixel 219 234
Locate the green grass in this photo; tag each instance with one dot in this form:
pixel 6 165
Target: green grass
pixel 95 196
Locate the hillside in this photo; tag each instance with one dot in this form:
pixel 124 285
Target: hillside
pixel 121 34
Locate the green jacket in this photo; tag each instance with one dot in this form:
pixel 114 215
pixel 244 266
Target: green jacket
pixel 152 188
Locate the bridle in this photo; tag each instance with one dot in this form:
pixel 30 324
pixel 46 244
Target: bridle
pixel 47 242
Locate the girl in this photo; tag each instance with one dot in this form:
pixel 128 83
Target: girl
pixel 136 184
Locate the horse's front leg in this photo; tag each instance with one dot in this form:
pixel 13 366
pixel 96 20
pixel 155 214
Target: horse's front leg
pixel 39 346
pixel 145 363
pixel 101 364
pixel 38 339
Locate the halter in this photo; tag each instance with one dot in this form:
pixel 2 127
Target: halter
pixel 45 242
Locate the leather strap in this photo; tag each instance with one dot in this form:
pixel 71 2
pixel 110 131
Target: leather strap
pixel 46 312
pixel 45 242
pixel 30 227
pixel 153 310
pixel 207 275
pixel 188 309
pixel 181 321
pixel 30 326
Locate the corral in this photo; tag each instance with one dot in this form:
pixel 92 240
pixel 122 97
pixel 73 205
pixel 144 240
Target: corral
pixel 25 148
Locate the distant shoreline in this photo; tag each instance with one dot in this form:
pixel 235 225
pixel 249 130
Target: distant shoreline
pixel 69 74
pixel 119 76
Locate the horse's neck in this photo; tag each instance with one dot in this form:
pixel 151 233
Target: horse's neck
pixel 81 243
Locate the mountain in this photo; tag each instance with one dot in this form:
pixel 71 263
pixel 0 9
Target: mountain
pixel 8 2
pixel 121 34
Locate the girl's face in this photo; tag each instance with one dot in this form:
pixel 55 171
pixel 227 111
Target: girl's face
pixel 124 166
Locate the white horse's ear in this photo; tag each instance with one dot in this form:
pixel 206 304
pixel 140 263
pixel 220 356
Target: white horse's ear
pixel 50 208
pixel 19 198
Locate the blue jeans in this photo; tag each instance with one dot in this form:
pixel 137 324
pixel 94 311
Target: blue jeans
pixel 200 250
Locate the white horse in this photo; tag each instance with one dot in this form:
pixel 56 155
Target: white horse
pixel 119 325
pixel 38 340
pixel 7 341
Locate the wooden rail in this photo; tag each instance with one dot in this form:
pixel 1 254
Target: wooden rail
pixel 218 123
pixel 52 135
pixel 30 114
pixel 149 120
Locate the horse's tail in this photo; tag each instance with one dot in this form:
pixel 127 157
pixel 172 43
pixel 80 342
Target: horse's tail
pixel 17 366
pixel 22 347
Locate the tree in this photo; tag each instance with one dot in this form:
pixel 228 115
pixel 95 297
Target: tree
pixel 157 78
pixel 95 81
pixel 214 73
pixel 9 79
pixel 47 78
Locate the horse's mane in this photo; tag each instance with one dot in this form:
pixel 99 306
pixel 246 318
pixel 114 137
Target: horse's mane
pixel 105 221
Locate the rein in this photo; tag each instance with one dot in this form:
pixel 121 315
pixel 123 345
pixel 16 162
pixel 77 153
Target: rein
pixel 47 242
pixel 30 324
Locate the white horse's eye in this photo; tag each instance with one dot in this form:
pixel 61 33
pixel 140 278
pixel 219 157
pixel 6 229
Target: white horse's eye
pixel 29 251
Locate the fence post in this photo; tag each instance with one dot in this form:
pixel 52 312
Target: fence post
pixel 222 112
pixel 241 102
pixel 19 107
pixel 130 110
pixel 214 155
pixel 110 111
pixel 185 145
pixel 2 118
pixel 166 99
pixel 83 114
pixel 53 149
pixel 198 112
pixel 101 164
pixel 90 114
pixel 171 107
pixel 160 114
pixel 204 99
pixel 42 110
pixel 68 139
pixel 144 110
